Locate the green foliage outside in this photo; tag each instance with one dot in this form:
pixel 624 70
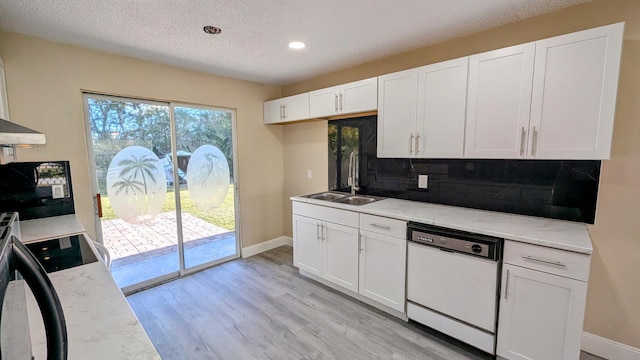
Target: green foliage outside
pixel 223 216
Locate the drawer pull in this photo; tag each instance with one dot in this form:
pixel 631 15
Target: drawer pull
pixel 383 227
pixel 549 262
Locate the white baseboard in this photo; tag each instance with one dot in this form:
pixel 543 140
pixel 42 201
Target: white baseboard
pixel 266 246
pixel 608 349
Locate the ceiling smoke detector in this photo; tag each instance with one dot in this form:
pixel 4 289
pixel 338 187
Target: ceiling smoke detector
pixel 212 30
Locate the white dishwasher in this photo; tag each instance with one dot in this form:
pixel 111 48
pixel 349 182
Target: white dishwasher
pixel 452 283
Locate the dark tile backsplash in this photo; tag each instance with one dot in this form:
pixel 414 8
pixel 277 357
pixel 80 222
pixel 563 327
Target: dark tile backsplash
pixel 556 189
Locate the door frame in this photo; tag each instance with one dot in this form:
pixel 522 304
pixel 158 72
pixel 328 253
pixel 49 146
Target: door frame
pixel 182 271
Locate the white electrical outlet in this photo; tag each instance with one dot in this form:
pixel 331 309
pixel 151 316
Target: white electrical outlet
pixel 423 181
pixel 57 191
pixel 309 174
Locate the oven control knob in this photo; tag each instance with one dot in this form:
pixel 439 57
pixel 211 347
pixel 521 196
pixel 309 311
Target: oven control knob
pixel 476 248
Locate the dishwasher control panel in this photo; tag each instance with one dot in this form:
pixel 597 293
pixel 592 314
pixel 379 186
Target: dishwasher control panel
pixel 455 241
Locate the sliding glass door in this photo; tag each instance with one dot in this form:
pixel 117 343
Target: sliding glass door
pixel 164 181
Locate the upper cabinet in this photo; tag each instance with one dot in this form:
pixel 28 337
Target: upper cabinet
pixel 397 109
pixel 551 99
pixel 499 102
pixel 358 96
pixel 575 83
pixel 287 109
pixel 421 111
pixel 442 96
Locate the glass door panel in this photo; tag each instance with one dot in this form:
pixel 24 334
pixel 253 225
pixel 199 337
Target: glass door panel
pixel 207 194
pixel 131 145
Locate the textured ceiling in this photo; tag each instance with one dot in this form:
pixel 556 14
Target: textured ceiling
pixel 255 34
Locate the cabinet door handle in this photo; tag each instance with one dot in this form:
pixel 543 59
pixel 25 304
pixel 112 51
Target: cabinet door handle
pixel 361 243
pixel 341 103
pixel 325 230
pixel 318 232
pixel 280 111
pixel 411 144
pixel 506 287
pixel 336 102
pixel 548 262
pixel 417 143
pixel 523 140
pixel 534 141
pixel 284 112
pixel 383 227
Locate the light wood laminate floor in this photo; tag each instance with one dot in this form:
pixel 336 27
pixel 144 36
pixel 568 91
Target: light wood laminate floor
pixel 261 308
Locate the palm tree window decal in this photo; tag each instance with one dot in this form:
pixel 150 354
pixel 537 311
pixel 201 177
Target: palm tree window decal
pixel 133 184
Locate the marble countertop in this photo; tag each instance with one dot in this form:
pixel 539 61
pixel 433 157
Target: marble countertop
pixel 100 322
pixel 50 228
pixel 558 234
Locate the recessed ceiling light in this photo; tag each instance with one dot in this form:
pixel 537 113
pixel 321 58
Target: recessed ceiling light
pixel 297 45
pixel 212 30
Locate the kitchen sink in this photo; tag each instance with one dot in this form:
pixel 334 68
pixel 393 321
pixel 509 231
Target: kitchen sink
pixel 328 196
pixel 344 198
pixel 357 200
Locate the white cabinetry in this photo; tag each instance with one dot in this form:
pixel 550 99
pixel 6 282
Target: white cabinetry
pixel 325 243
pixel 442 96
pixel 499 102
pixel 358 96
pixel 369 260
pixel 287 109
pixel 574 94
pixel 383 254
pixel 542 304
pixel 397 109
pixel 549 99
pixel 422 111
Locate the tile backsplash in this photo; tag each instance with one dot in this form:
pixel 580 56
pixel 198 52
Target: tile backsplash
pixel 556 189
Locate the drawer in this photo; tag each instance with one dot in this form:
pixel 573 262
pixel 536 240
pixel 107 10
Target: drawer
pixel 553 261
pixel 383 225
pixel 323 213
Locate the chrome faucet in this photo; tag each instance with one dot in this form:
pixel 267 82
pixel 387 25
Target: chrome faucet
pixel 354 172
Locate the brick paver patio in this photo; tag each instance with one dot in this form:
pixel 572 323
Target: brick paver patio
pixel 157 237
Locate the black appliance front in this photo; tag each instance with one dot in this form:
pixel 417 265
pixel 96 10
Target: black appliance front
pixel 36 189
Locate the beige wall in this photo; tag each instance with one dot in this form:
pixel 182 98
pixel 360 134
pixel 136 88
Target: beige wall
pixel 44 84
pixel 613 303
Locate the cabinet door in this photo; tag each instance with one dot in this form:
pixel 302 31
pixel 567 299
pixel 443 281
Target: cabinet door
pixel 382 269
pixel 541 315
pixel 273 111
pixel 574 94
pixel 397 106
pixel 324 102
pixel 499 102
pixel 358 96
pixel 296 107
pixel 442 97
pixel 341 255
pixel 307 244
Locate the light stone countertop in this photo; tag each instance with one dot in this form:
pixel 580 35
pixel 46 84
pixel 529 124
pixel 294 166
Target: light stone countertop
pixel 50 228
pixel 558 234
pixel 100 322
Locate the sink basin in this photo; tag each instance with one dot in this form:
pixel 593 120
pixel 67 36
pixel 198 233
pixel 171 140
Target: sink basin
pixel 357 200
pixel 344 198
pixel 328 196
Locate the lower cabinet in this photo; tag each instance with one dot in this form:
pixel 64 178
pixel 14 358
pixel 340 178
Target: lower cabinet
pixel 340 263
pixel 541 313
pixel 361 253
pixel 383 261
pixel 327 250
